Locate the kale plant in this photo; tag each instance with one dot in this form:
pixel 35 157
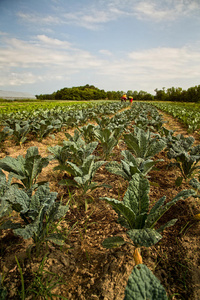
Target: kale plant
pixel 107 141
pixel 25 169
pixel 37 211
pixel 142 145
pixel 87 132
pixel 4 133
pixel 130 166
pixel 133 213
pixel 186 157
pixel 75 150
pixel 20 132
pixel 83 175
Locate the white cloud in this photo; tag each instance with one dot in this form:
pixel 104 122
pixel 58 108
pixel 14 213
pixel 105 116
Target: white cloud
pixel 154 67
pixel 21 61
pixel 48 60
pixel 50 42
pixel 17 78
pixel 38 18
pixel 165 10
pixel 105 52
pixel 94 16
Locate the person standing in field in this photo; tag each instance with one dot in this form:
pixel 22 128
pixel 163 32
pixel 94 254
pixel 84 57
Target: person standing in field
pixel 130 100
pixel 123 98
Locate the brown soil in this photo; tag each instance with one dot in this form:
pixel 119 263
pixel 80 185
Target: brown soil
pixel 89 271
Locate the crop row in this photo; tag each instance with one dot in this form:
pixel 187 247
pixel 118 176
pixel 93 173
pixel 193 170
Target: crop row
pixel 22 107
pixel 39 123
pixel 78 159
pixel 188 114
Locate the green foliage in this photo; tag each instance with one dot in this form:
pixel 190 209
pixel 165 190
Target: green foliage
pixel 187 113
pixel 113 242
pixel 87 132
pixel 37 212
pixel 107 141
pixel 42 128
pixel 74 150
pixel 186 156
pixel 4 133
pixel 87 92
pixel 142 284
pixel 4 186
pixel 130 166
pixel 26 169
pixel 192 94
pixel 20 132
pixel 103 122
pixel 133 212
pixel 142 145
pixel 83 175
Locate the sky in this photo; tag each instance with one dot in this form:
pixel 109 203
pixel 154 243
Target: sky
pixel 115 45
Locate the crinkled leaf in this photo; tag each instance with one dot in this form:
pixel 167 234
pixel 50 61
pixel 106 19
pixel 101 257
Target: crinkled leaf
pixel 18 199
pixel 29 230
pixel 195 183
pixel 5 208
pixel 136 197
pixel 128 156
pixel 56 238
pixel 122 210
pixel 89 148
pixel 142 284
pixel 144 237
pixel 14 165
pixel 60 212
pixel 113 242
pixel 148 165
pixel 156 214
pixel 154 211
pixel 132 143
pixel 166 225
pixel 96 166
pixel 115 168
pixel 10 225
pixel 155 147
pixel 75 170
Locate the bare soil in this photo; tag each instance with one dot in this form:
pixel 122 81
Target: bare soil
pixel 89 271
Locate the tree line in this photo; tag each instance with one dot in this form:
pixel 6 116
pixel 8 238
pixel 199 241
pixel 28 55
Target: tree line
pixel 90 92
pixel 192 94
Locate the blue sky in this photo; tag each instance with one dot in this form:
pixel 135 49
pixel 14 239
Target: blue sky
pixel 46 45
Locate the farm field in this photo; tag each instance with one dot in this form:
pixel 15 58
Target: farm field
pixel 30 106
pixel 81 268
pixel 187 113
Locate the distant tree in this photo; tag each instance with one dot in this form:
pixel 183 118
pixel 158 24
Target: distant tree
pixel 160 95
pixel 129 93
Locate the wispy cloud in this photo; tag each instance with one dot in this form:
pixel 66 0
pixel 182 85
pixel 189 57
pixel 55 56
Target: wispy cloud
pixel 39 18
pixel 94 16
pixel 42 55
pixel 50 42
pixel 165 10
pixel 105 52
pixel 44 58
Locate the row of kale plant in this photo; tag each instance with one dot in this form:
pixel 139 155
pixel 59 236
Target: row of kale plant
pixel 80 157
pixel 27 125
